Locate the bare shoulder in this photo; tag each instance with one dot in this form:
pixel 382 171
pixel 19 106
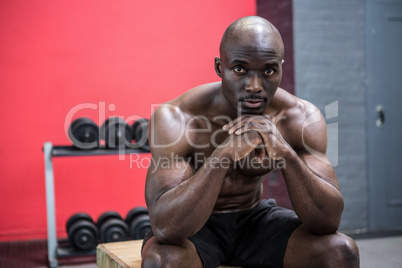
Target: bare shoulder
pixel 169 120
pixel 301 122
pixel 197 98
pixel 295 108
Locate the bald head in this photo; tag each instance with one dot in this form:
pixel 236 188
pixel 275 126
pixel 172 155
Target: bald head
pixel 252 31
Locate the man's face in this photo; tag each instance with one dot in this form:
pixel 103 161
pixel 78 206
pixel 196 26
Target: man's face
pixel 251 70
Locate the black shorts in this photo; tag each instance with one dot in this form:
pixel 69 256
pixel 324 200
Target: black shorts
pixel 252 238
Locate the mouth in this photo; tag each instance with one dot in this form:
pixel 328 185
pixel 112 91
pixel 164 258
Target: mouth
pixel 253 103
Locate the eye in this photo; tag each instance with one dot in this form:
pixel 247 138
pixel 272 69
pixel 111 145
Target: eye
pixel 239 69
pixel 269 71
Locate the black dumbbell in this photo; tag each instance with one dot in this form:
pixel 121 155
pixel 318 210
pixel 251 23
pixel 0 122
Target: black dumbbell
pixel 112 228
pixel 82 232
pixel 116 133
pixel 140 133
pixel 84 133
pixel 138 221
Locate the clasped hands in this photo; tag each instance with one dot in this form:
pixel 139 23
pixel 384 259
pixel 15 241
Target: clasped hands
pixel 255 133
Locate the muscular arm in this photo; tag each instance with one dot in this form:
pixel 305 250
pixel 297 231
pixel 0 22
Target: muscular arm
pixel 183 209
pixel 180 200
pixel 310 179
pixel 314 192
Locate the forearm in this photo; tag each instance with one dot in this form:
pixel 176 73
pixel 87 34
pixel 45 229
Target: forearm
pixel 318 203
pixel 184 209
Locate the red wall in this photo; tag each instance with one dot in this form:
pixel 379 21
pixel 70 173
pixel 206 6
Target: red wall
pixel 55 55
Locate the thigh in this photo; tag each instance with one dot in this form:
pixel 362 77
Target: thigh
pixel 305 249
pixel 158 255
pixel 205 243
pixel 263 236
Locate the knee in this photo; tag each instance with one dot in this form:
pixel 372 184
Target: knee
pixel 342 251
pixel 151 260
pixel 159 259
pixel 155 255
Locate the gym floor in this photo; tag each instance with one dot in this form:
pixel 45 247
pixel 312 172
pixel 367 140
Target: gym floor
pixel 374 252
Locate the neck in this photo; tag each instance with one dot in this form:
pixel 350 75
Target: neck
pixel 224 108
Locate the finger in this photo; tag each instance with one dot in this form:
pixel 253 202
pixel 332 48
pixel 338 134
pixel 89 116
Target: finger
pixel 247 117
pixel 236 128
pixel 253 138
pixel 256 139
pixel 249 126
pixel 230 125
pixel 259 123
pixel 267 116
pixel 261 127
pixel 251 142
pixel 242 121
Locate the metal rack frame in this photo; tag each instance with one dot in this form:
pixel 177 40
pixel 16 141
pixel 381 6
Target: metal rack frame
pixel 51 151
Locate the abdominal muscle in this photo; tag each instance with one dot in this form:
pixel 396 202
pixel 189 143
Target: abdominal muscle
pixel 239 193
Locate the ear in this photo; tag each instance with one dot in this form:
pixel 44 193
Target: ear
pixel 218 66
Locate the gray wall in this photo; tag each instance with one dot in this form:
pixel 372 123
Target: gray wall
pixel 329 47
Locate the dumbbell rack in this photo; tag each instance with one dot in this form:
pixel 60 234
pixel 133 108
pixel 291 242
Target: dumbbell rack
pixel 51 151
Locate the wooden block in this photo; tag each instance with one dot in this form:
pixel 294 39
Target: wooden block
pixel 125 254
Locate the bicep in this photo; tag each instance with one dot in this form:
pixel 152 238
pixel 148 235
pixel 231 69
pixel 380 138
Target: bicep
pixel 165 173
pixel 169 166
pixel 313 151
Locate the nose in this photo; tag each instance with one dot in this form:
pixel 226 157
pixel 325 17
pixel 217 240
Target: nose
pixel 254 84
